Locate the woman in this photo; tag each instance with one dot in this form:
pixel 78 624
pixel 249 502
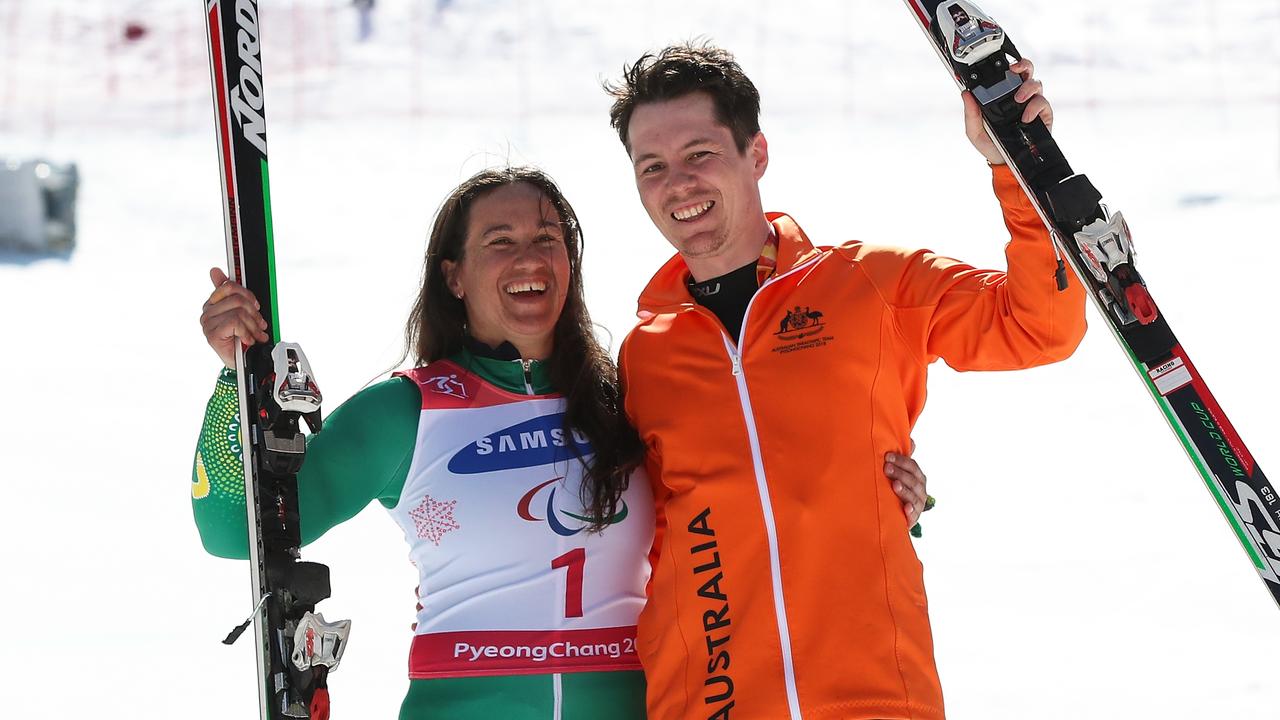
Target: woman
pixel 508 436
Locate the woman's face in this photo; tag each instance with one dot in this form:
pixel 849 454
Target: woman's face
pixel 514 273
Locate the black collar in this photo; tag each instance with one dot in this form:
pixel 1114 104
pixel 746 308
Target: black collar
pixel 733 283
pixel 504 351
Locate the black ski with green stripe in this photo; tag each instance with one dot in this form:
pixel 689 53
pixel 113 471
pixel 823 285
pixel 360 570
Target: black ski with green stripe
pixel 976 50
pixel 283 587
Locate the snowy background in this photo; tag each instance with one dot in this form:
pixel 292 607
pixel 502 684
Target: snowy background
pixel 1076 566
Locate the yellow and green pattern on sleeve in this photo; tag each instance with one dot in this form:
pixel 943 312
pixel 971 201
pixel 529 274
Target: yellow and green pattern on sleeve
pixel 363 454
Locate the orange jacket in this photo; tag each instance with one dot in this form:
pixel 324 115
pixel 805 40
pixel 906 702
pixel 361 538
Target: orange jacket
pixel 784 582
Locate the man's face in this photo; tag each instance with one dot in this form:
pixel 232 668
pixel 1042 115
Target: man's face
pixel 700 192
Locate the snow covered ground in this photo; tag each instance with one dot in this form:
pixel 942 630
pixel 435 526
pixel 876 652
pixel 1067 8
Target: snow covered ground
pixel 1076 567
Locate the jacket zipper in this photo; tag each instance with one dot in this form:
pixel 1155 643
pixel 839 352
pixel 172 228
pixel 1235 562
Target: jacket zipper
pixel 528 375
pixel 766 504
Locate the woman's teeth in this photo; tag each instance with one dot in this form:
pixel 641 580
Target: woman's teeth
pixel 521 287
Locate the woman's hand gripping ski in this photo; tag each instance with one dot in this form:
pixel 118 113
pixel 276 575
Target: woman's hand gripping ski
pixel 231 315
pixel 909 483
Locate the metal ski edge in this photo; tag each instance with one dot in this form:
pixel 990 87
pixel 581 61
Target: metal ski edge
pixel 226 147
pixel 1211 481
pixel 922 15
pixel 257 553
pixel 1242 527
pixel 235 261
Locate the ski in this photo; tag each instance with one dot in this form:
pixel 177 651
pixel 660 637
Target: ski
pixel 1097 244
pixel 295 647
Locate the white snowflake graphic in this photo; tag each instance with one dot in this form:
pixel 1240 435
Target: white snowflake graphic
pixel 434 518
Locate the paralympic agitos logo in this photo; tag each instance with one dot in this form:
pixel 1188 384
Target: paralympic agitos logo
pixel 525 510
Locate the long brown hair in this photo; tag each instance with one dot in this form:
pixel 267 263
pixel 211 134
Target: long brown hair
pixel 580 369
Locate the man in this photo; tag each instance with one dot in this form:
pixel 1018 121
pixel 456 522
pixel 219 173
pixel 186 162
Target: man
pixel 768 377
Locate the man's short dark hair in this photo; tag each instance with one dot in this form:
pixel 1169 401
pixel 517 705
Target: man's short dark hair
pixel 679 70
